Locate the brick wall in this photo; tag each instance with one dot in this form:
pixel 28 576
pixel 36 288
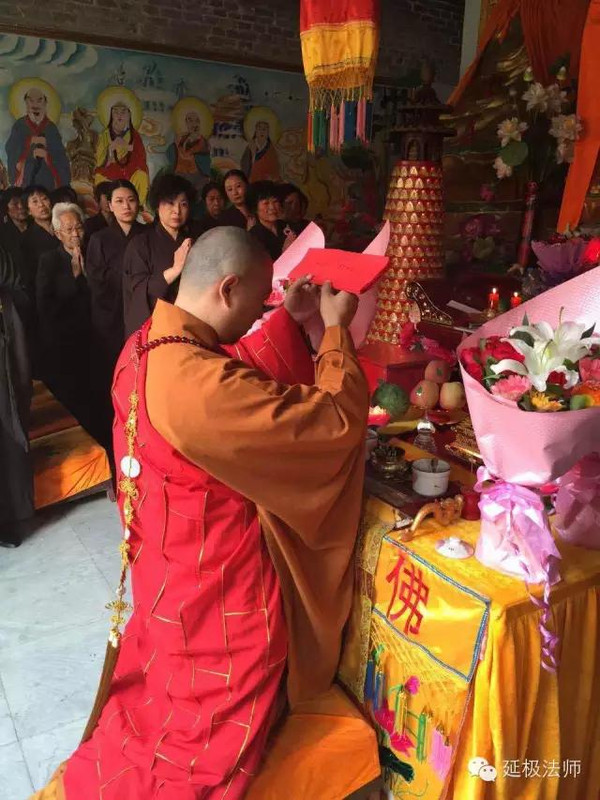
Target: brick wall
pixel 263 31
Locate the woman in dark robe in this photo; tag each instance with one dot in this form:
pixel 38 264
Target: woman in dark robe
pixel 39 237
pixel 237 215
pixel 272 232
pixel 16 486
pixel 213 200
pixel 104 270
pixel 154 259
pixel 64 317
pixel 294 204
pixel 102 219
pixel 13 213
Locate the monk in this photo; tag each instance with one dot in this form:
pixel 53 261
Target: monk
pixel 241 497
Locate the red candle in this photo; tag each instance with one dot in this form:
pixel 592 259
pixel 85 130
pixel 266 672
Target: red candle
pixel 515 300
pixel 470 508
pixel 493 299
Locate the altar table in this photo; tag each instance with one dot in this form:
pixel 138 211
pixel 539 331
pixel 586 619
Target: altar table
pixel 445 658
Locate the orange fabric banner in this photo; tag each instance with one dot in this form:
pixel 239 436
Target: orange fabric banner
pixel 551 29
pixel 588 110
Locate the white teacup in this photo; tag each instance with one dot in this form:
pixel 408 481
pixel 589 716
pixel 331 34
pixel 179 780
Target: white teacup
pixel 428 483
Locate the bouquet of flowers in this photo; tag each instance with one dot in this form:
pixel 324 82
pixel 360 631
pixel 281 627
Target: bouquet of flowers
pixel 511 371
pixel 539 368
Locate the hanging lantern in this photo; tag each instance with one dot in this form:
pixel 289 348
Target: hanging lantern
pixel 340 40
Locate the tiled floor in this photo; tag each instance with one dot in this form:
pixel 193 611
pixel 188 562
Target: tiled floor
pixel 53 631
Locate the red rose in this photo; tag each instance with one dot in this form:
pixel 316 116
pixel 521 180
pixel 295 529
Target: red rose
pixel 470 358
pixel 493 347
pixel 557 379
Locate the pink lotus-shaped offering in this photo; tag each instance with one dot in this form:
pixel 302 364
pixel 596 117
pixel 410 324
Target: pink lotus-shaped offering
pixel 378 417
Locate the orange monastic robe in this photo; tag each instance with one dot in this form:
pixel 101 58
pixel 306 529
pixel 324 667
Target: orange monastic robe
pixel 249 500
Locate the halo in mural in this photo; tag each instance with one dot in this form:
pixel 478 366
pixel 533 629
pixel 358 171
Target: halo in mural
pixel 118 95
pixel 262 114
pixel 16 98
pixel 189 106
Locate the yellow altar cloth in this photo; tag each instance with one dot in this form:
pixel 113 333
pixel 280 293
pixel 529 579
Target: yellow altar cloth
pixel 445 656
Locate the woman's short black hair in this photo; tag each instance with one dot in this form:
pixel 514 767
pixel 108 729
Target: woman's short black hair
pixel 260 190
pixel 64 194
pixel 166 188
pixel 120 184
pixel 211 186
pixel 235 173
pixel 8 195
pixel 35 189
pixel 102 190
pixel 286 189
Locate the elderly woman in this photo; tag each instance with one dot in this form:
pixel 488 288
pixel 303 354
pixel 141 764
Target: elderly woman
pixel 153 260
pixel 64 321
pixel 263 203
pixel 213 199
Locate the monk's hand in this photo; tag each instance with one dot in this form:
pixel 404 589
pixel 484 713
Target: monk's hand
pixel 337 308
pixel 171 274
pixel 302 300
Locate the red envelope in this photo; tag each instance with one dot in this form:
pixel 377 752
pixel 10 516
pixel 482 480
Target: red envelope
pixel 349 272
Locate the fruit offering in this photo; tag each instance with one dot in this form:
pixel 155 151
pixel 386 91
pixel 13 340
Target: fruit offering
pixel 392 399
pixel 425 394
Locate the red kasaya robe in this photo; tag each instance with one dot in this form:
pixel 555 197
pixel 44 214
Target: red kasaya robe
pixel 196 687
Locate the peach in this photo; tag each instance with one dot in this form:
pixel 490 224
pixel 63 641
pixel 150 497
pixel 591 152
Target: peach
pixel 438 371
pixel 425 394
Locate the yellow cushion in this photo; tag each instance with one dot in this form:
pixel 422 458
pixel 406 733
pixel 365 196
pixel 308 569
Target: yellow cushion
pixel 325 749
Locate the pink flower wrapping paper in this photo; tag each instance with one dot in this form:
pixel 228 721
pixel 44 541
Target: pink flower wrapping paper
pixel 534 448
pixel 529 449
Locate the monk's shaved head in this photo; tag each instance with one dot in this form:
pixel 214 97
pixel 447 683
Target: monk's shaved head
pixel 220 252
pixel 225 282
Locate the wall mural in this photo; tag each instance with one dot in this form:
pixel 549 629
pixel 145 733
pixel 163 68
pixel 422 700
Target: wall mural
pixel 80 114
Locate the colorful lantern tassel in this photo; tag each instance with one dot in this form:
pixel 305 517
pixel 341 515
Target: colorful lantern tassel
pixel 341 124
pixel 361 120
pixel 333 128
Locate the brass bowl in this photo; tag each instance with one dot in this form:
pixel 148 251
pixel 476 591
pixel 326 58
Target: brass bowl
pixel 390 467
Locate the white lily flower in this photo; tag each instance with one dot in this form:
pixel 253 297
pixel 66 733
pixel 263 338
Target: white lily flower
pixel 549 351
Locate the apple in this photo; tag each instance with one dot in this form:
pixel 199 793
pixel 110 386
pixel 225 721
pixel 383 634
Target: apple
pixel 452 396
pixel 438 371
pixel 425 394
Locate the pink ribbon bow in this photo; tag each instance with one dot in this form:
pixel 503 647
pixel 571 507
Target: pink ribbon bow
pixel 577 503
pixel 518 527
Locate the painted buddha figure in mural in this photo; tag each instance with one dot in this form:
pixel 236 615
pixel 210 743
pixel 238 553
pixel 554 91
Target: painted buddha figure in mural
pixel 120 153
pixel 35 151
pixel 260 161
pixel 189 155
